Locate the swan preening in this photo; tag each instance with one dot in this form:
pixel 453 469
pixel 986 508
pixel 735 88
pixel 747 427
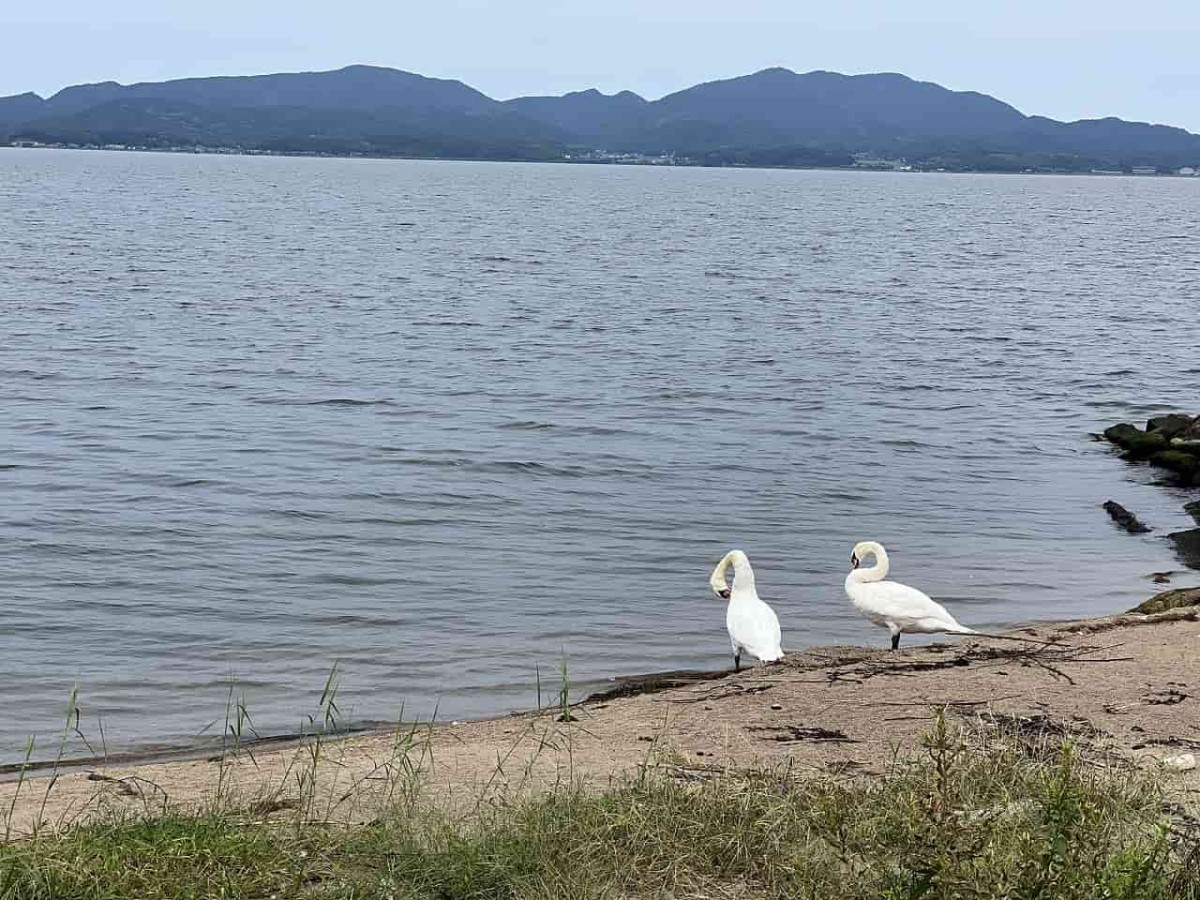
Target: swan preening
pixel 897 607
pixel 753 626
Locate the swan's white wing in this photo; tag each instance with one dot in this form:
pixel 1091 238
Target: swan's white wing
pixel 754 626
pixel 910 609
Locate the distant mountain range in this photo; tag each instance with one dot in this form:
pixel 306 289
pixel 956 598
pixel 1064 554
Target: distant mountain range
pixel 773 117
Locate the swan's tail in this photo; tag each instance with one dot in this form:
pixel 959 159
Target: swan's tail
pixel 955 628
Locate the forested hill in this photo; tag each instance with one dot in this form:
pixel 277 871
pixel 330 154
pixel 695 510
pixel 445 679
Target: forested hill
pixel 772 117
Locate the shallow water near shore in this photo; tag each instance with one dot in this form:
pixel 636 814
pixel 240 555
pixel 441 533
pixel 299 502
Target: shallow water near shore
pixel 444 423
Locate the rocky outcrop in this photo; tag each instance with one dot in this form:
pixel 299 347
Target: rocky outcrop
pixel 1184 463
pixel 1168 600
pixel 1170 442
pixel 1136 443
pixel 1187 546
pixel 1170 426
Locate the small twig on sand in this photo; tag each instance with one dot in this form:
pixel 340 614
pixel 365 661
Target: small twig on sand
pixel 725 690
pixel 129 785
pixel 1012 637
pixel 944 702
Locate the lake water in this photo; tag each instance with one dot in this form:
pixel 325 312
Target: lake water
pixel 443 423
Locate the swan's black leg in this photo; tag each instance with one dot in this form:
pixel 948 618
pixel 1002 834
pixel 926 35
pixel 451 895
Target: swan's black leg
pixel 896 641
pixel 737 661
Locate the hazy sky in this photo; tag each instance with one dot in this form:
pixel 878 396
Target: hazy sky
pixel 1064 58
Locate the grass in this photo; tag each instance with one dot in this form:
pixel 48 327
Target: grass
pixel 972 816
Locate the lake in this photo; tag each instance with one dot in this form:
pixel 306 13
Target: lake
pixel 446 424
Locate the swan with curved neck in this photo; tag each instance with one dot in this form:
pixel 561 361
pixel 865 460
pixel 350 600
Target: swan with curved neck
pixel 752 624
pixel 897 607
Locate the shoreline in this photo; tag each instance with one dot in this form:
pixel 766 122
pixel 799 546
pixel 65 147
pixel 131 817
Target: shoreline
pixel 600 691
pixel 147 753
pixel 230 151
pixel 613 687
pixel 1124 686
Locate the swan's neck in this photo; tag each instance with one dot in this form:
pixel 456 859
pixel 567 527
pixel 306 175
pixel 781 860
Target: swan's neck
pixel 877 572
pixel 743 580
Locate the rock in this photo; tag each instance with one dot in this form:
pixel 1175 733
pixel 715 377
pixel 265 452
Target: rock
pixel 1136 443
pixel 1187 546
pixel 1162 577
pixel 1185 465
pixel 1170 426
pixel 1174 599
pixel 1185 445
pixel 1184 762
pixel 1121 432
pixel 1193 510
pixel 1124 517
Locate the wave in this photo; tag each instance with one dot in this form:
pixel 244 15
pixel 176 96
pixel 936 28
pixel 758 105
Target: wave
pixel 348 401
pixel 566 429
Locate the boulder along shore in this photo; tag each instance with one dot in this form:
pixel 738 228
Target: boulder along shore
pixel 1171 444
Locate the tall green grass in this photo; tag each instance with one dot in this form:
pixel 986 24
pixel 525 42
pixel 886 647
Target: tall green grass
pixel 974 815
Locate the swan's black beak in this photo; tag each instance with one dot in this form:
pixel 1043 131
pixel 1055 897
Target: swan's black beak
pixel 725 594
pixel 853 561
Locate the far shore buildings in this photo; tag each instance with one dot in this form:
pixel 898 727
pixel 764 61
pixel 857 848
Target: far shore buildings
pixel 1153 170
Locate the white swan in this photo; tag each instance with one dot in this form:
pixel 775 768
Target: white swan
pixel 897 607
pixel 752 625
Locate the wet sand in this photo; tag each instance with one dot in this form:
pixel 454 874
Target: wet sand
pixel 1126 688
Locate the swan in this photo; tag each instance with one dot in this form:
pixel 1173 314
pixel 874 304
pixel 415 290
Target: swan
pixel 897 607
pixel 752 625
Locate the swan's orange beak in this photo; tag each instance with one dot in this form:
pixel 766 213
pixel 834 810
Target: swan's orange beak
pixel 725 594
